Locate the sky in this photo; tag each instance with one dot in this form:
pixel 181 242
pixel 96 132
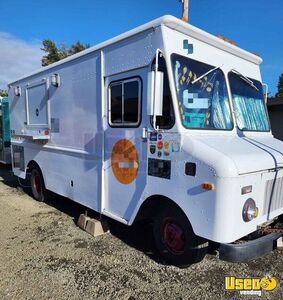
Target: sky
pixel 255 25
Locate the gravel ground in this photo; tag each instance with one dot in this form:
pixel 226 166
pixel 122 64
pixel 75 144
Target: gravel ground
pixel 44 255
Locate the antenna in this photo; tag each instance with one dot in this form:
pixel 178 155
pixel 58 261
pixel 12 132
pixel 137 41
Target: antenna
pixel 185 16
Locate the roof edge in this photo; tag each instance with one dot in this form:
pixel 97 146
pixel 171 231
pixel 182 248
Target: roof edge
pixel 209 38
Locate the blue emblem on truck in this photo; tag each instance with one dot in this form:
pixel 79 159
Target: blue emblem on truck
pixel 153 136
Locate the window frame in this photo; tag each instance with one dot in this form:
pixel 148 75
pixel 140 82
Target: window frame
pixel 122 82
pixel 227 90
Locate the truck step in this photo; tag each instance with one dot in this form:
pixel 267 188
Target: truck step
pixel 92 226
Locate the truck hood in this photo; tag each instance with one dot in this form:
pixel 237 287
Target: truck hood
pixel 232 156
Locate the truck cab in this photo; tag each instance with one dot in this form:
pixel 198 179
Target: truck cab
pixel 226 168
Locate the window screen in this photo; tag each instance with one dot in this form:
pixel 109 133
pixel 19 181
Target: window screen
pixel 202 94
pixel 125 102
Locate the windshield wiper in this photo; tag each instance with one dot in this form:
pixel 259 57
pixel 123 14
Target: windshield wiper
pixel 205 74
pixel 246 79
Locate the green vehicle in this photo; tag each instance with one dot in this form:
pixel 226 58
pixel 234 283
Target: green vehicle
pixel 5 149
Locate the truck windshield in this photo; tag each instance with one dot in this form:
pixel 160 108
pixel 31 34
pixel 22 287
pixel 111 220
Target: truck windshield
pixel 203 103
pixel 248 103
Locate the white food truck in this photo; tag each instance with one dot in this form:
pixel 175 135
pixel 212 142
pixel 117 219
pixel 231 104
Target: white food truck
pixel 164 122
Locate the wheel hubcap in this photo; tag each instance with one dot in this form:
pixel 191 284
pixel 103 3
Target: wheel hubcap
pixel 173 236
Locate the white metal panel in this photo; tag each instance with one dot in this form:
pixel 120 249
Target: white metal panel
pixel 71 160
pixel 209 53
pixel 133 53
pixel 37 104
pixel 17 106
pixel 233 155
pixel 72 174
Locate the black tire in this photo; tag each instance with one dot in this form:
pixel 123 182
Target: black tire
pixel 38 189
pixel 175 239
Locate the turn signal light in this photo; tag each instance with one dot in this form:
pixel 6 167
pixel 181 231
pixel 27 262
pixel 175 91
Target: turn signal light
pixel 208 186
pixel 247 189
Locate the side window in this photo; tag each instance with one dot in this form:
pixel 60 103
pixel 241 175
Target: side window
pixel 116 104
pixel 167 120
pixel 131 102
pixel 125 103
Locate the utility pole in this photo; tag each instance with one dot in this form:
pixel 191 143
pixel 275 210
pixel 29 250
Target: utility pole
pixel 185 16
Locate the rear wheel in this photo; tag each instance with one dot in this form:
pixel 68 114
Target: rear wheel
pixel 175 239
pixel 38 189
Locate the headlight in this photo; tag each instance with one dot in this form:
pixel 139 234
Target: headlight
pixel 250 211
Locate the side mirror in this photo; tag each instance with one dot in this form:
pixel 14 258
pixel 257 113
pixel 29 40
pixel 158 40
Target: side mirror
pixel 155 93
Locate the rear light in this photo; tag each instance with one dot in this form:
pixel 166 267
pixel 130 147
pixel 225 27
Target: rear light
pixel 250 211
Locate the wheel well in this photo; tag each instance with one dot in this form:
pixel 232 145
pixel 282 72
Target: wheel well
pixel 31 165
pixel 150 206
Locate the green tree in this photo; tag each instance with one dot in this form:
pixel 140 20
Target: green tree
pixel 77 47
pixel 3 93
pixel 280 87
pixel 55 53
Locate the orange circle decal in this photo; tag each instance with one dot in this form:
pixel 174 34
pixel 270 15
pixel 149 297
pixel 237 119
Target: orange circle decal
pixel 125 161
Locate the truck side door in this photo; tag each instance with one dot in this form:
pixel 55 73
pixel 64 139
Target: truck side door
pixel 125 152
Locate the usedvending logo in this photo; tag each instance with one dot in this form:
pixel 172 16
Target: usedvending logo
pixel 250 286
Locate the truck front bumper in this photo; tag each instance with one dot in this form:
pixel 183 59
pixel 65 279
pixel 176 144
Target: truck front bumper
pixel 248 250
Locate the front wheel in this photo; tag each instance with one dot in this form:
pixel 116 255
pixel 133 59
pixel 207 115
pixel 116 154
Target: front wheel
pixel 175 239
pixel 38 189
